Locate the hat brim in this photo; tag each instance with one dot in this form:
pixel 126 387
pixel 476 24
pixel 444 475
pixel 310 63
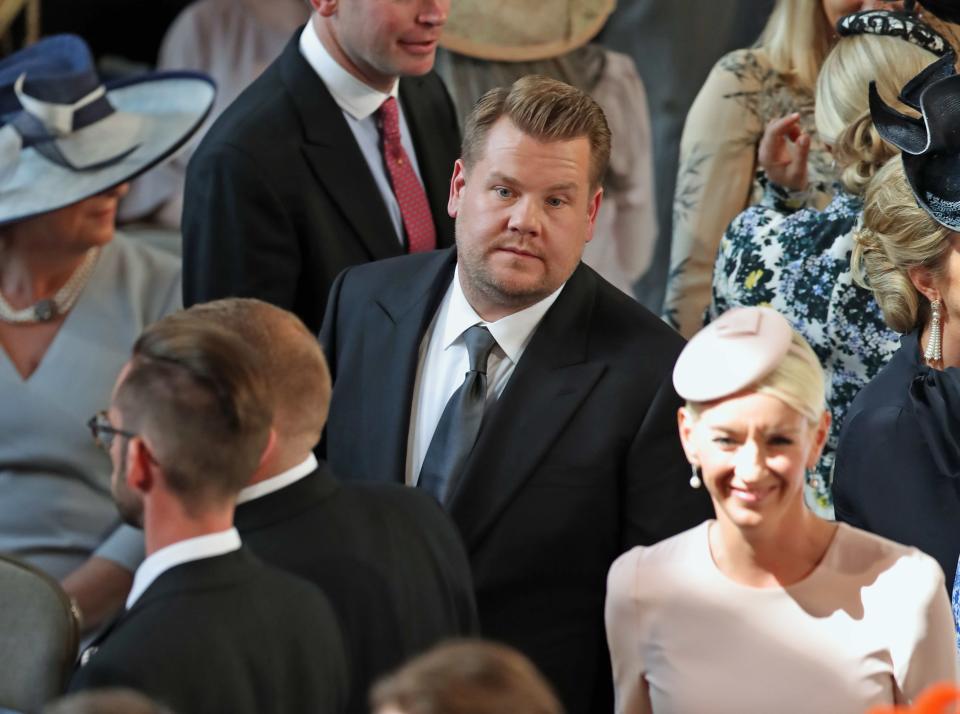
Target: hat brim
pixel 934 182
pixel 455 38
pixel 166 108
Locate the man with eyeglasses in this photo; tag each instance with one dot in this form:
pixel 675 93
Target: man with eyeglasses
pixel 207 626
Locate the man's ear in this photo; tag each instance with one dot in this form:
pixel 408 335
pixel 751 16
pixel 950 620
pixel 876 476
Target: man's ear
pixel 593 208
pixel 922 280
pixel 457 182
pixel 142 468
pixel 268 449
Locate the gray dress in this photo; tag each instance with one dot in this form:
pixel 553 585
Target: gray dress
pixel 55 503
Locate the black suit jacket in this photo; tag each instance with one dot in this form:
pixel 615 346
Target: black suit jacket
pixel 225 634
pixel 885 479
pixel 279 198
pixel 578 460
pixel 388 558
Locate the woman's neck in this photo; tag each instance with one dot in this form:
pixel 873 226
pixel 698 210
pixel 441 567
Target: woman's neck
pixel 31 274
pixel 778 554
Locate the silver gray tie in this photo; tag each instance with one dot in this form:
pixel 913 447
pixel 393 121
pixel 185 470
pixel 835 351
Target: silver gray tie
pixel 457 430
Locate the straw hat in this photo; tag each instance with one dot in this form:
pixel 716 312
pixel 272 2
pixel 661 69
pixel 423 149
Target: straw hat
pixel 65 136
pixel 522 30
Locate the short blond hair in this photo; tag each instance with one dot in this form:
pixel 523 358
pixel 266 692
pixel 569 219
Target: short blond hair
pixel 297 372
pixel 545 109
pixel 797 381
pixel 897 235
pixel 842 106
pixel 797 38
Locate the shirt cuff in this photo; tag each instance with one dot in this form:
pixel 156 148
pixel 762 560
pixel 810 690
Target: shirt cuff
pixel 780 198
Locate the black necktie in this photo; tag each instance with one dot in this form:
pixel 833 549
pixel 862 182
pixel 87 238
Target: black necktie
pixel 459 424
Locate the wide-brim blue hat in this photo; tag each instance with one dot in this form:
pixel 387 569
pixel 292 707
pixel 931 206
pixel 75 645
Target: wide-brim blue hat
pixel 65 136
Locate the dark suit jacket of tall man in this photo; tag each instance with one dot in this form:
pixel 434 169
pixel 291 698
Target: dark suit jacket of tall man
pixel 279 199
pixel 388 558
pixel 226 634
pixel 578 460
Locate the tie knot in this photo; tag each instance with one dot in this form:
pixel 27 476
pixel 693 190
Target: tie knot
pixel 389 117
pixel 479 343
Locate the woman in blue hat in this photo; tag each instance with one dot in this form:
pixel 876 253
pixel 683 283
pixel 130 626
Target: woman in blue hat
pixel 74 294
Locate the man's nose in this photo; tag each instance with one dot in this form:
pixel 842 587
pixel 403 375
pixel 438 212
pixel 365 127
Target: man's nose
pixel 525 217
pixel 434 12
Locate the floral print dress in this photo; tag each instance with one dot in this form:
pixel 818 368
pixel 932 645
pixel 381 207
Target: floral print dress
pixel 715 180
pixel 797 261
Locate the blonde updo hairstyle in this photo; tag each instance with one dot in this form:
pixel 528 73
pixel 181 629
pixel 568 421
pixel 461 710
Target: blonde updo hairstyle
pixel 797 381
pixel 897 235
pixel 842 108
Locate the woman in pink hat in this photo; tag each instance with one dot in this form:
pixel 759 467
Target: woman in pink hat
pixel 769 607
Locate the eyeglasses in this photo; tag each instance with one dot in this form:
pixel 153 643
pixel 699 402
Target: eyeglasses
pixel 103 432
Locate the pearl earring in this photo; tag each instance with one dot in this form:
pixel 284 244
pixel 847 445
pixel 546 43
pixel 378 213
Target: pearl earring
pixel 934 351
pixel 695 481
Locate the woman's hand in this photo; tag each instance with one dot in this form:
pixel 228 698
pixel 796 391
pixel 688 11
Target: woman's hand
pixel 783 152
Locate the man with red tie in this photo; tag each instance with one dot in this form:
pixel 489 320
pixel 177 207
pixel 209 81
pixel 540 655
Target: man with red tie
pixel 338 154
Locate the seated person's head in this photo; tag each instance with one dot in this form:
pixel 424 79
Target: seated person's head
pixel 466 677
pixel 193 405
pixel 526 191
pixel 842 105
pixel 755 419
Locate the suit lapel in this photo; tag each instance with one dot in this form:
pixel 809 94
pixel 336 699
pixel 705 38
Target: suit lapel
pixel 335 157
pixel 547 387
pixel 394 324
pixel 435 166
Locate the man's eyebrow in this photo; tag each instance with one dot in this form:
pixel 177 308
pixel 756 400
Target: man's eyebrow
pixel 507 179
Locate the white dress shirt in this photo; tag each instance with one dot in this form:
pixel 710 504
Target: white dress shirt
pixel 443 362
pixel 281 480
pixel 360 103
pixel 184 551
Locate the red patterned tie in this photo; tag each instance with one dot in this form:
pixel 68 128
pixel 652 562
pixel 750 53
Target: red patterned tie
pixel 414 209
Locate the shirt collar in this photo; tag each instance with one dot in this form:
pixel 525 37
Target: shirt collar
pixel 512 332
pixel 281 480
pixel 357 99
pixel 184 551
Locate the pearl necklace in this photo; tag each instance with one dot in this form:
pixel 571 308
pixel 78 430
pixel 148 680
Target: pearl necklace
pixel 49 308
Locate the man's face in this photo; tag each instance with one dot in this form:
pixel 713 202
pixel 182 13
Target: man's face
pixel 524 212
pixel 129 502
pixel 385 39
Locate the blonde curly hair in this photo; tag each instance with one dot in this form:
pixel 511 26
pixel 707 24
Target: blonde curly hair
pixel 897 235
pixel 842 109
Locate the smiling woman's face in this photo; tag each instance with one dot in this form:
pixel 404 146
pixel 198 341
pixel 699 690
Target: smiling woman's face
pixel 753 450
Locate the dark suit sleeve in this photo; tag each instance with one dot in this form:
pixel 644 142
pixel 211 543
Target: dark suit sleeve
pixel 237 236
pixel 659 501
pixel 97 676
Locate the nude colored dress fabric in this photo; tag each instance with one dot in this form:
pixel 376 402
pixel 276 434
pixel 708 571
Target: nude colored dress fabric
pixel 717 175
pixel 871 625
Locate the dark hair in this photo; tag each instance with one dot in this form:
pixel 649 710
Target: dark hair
pixel 547 110
pixel 467 677
pixel 196 393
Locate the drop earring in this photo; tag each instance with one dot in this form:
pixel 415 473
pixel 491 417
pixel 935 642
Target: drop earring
pixel 695 481
pixel 934 351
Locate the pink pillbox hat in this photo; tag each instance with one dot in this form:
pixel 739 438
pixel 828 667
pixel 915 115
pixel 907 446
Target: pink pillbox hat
pixel 738 349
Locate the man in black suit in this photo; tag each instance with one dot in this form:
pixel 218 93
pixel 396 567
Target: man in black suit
pixel 559 449
pixel 388 557
pixel 307 172
pixel 207 627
